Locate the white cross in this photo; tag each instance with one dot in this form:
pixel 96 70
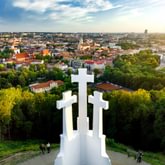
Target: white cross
pixel 66 104
pixel 82 78
pixel 98 104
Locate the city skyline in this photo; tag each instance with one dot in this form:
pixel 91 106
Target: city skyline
pixel 82 16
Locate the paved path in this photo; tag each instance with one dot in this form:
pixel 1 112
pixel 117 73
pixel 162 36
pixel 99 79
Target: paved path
pixel 116 159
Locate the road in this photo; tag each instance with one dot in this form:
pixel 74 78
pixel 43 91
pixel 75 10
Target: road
pixel 116 159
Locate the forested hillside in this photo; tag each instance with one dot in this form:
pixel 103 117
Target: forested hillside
pixel 134 118
pixel 136 71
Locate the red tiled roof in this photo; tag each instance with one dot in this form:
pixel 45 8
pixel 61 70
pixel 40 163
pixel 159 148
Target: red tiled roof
pixel 59 82
pixel 108 86
pixel 89 62
pixel 45 52
pixel 94 62
pixel 64 54
pixel 42 85
pixel 46 84
pixel 9 60
pixel 21 55
pixel 99 62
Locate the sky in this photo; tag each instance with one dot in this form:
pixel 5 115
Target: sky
pixel 82 16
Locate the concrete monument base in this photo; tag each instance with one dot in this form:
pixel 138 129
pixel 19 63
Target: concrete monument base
pixel 95 150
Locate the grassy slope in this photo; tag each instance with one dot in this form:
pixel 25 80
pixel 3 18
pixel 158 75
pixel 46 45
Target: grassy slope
pixel 17 151
pixel 9 148
pixel 152 158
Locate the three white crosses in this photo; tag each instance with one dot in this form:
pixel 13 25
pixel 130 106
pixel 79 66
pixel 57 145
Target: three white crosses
pixel 83 124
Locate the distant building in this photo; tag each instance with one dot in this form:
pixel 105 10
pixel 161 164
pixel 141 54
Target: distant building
pixel 45 52
pixel 61 66
pixel 65 55
pixel 21 56
pixel 162 61
pixel 45 86
pixel 23 63
pixel 37 62
pixel 146 32
pixel 80 43
pixel 15 41
pixel 83 46
pixel 76 64
pixel 114 46
pixel 108 87
pixel 15 50
pixel 8 61
pixel 91 64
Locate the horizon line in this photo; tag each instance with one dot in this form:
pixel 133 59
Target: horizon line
pixel 76 32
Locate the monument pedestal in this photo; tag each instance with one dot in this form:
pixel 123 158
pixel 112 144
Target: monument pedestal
pixel 71 153
pixel 69 150
pixel 96 150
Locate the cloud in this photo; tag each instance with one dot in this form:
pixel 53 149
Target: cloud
pixel 81 15
pixel 97 5
pixel 138 8
pixel 77 10
pixel 68 13
pixel 128 5
pixel 33 5
pixel 157 2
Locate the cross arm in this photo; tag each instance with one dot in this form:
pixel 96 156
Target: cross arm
pixel 74 78
pixel 105 104
pixel 67 100
pixel 97 100
pixel 82 76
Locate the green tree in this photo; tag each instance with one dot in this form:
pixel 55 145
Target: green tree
pixel 159 125
pixel 2 67
pixel 8 98
pixel 21 80
pixel 136 71
pixel 128 115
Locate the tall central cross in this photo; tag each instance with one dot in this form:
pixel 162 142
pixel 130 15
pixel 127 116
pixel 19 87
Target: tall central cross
pixel 98 104
pixel 66 104
pixel 82 78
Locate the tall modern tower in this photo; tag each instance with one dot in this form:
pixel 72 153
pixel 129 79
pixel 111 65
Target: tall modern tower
pixel 145 31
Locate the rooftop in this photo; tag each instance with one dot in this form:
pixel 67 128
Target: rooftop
pixel 45 84
pixel 108 86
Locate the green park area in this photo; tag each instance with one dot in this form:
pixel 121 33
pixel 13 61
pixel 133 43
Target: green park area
pixel 13 152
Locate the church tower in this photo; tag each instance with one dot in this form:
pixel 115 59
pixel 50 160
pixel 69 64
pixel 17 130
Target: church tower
pixel 80 43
